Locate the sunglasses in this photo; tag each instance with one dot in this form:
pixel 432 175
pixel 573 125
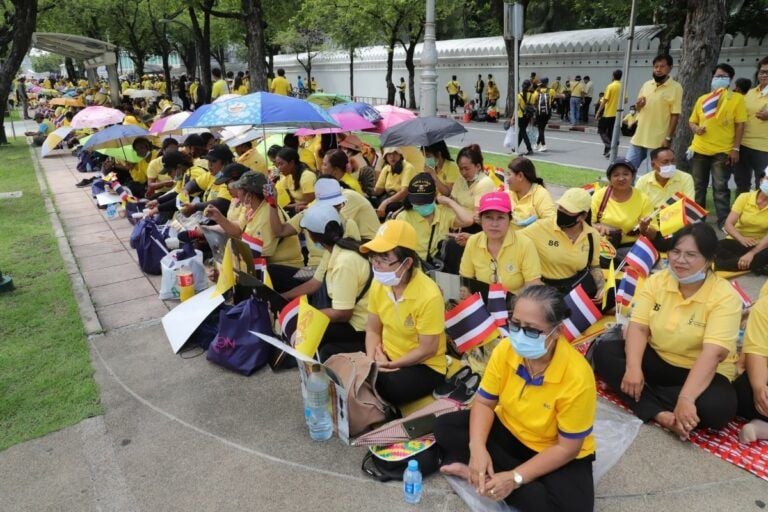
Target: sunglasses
pixel 530 332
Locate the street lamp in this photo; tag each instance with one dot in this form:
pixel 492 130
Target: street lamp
pixel 623 85
pixel 428 103
pixel 166 21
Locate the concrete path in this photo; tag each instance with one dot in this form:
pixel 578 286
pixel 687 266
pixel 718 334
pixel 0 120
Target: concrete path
pixel 182 434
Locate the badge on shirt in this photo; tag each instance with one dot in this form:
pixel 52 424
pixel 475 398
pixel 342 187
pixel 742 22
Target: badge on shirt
pixel 511 267
pixel 408 321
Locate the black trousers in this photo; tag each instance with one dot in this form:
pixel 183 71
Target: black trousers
pixel 541 124
pixel 746 398
pixel 341 338
pixel 585 108
pixel 453 100
pixel 567 488
pixel 402 99
pixel 522 133
pixel 408 384
pixel 729 251
pixel 282 277
pixel 715 407
pixel 605 130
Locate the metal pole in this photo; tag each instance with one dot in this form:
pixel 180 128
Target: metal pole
pixel 625 80
pixel 428 104
pixel 517 92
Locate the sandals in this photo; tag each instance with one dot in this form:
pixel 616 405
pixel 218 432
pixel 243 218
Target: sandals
pixel 451 384
pixel 466 390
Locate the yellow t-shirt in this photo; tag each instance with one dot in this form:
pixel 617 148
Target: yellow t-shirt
pixel 661 102
pixel 345 276
pixel 756 130
pixel 351 182
pixel 236 213
pixel 611 99
pixel 753 221
pixel 219 88
pixel 443 220
pixel 359 209
pixel 307 156
pixel 721 129
pixel 217 192
pixel 577 89
pixel 559 257
pixel 625 216
pixel 679 327
pixel 139 170
pixel 278 251
pixel 453 87
pixel 420 311
pixel 449 172
pixel 565 403
pixel 537 201
pixel 155 169
pixel 280 85
pixel 468 195
pixel 242 90
pixel 657 194
pixel 755 340
pixel 393 183
pixel 197 174
pixel 306 185
pixel 193 92
pixel 253 160
pixel 513 267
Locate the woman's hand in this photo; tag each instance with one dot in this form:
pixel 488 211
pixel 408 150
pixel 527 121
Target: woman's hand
pixel 748 242
pixel 761 400
pixel 643 226
pixel 188 209
pixel 500 486
pixel 382 361
pixel 382 209
pixel 461 239
pixel 633 382
pixel 213 213
pixel 480 468
pixel 685 414
pixel 746 260
pixel 152 204
pixel 602 229
pixel 762 115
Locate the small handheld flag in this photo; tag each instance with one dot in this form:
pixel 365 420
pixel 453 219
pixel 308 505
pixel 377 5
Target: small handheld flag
pixel 627 287
pixel 255 243
pixel 469 323
pixel 497 304
pixel 583 313
pixel 610 284
pixel 310 328
pixel 642 256
pixel 746 301
pixel 288 318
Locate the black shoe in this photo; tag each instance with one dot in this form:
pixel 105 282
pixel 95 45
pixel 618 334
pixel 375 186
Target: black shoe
pixel 85 182
pixel 450 385
pixel 529 153
pixel 466 390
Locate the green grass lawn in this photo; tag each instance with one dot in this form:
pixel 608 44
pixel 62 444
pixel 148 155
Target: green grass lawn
pixel 46 380
pixel 555 174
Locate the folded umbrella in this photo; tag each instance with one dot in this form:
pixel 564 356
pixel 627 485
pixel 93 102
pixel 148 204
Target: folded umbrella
pixel 391 116
pixel 54 139
pixel 423 131
pixel 97 117
pixel 115 137
pixel 360 108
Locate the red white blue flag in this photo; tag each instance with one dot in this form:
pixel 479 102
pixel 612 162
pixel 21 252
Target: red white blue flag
pixel 694 212
pixel 497 304
pixel 469 323
pixel 255 243
pixel 746 301
pixel 288 319
pixel 709 105
pixel 642 256
pixel 627 287
pixel 584 313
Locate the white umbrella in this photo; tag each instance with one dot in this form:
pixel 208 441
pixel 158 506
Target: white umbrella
pixel 140 93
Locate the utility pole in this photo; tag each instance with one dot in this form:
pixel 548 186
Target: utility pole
pixel 428 103
pixel 622 87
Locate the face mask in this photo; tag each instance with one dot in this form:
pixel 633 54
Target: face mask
pixel 527 347
pixel 526 222
pixel 388 278
pixel 319 246
pixel 659 79
pixel 424 209
pixel 764 187
pixel 632 111
pixel 720 82
pixel 566 221
pixel 667 171
pixel 696 277
pixel 431 162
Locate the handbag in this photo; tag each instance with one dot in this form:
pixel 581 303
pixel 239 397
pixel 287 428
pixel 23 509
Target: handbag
pixel 235 348
pixel 614 235
pixel 147 239
pixel 385 463
pixel 173 262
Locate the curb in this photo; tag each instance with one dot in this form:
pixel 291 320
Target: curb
pixel 88 315
pixel 579 128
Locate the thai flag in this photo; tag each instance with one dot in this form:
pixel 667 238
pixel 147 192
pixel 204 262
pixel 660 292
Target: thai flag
pixel 675 198
pixel 584 313
pixel 469 323
pixel 746 301
pixel 497 304
pixel 591 187
pixel 694 212
pixel 288 319
pixel 255 243
pixel 709 105
pixel 627 287
pixel 642 256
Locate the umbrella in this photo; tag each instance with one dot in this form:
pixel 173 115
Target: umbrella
pixel 362 109
pixel 49 92
pixel 96 117
pixel 53 140
pixel 326 100
pixel 67 102
pixel 391 116
pixel 423 131
pixel 261 109
pixel 140 93
pixel 170 124
pixel 348 122
pixel 125 153
pixel 115 136
pixel 225 97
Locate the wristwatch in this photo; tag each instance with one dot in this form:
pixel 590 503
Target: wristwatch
pixel 518 478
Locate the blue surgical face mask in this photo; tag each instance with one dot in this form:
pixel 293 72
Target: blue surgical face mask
pixel 424 209
pixel 431 162
pixel 720 81
pixel 527 347
pixel 764 187
pixel 696 277
pixel 526 222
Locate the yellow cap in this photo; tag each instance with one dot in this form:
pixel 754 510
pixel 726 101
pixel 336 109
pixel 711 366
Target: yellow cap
pixel 391 234
pixel 575 200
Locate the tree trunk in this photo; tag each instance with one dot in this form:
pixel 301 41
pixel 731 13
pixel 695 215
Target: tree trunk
pixel 21 25
pixel 352 73
pixel 70 67
pixel 138 63
pixel 203 40
pixel 167 73
pixel 388 78
pixel 254 35
pixel 220 55
pixel 188 55
pixel 411 67
pixel 702 39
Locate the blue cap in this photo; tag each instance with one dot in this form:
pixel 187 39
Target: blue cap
pixel 413 464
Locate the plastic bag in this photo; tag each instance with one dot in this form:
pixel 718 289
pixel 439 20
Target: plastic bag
pixel 509 139
pixel 169 283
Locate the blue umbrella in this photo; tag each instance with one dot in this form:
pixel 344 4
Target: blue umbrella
pixel 262 109
pixel 191 121
pixel 115 136
pixel 361 109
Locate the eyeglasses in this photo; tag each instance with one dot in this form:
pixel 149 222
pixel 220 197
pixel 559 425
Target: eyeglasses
pixel 677 254
pixel 380 261
pixel 763 72
pixel 531 332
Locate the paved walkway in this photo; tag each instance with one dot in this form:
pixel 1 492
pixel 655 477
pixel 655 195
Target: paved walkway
pixel 182 434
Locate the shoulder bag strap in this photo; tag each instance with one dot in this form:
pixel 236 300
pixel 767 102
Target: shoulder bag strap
pixel 603 204
pixel 591 254
pixel 429 244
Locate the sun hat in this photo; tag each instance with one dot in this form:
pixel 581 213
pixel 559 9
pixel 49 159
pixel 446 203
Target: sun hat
pixel 328 191
pixel 389 150
pixel 351 142
pixel 391 234
pixel 495 201
pixel 317 217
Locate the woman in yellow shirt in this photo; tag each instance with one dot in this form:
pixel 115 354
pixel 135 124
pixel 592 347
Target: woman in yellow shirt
pixel 296 178
pixel 393 181
pixel 679 356
pixel 239 86
pixel 441 166
pixel 753 157
pixel 528 438
pixel 530 199
pixel 752 385
pixel 405 333
pixel 336 165
pixel 746 246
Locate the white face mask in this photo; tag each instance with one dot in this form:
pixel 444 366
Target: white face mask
pixel 388 278
pixel 667 171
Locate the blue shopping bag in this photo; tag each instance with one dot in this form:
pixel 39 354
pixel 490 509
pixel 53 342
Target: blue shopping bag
pixel 149 243
pixel 235 348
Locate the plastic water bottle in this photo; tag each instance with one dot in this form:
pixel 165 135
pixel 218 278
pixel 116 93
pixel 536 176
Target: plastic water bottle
pixel 317 404
pixel 112 211
pixel 412 482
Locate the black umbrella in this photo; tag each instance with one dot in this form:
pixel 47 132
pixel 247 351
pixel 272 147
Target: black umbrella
pixel 422 131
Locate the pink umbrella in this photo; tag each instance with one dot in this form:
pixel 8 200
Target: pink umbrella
pixel 391 116
pixel 348 122
pixel 96 117
pixel 169 124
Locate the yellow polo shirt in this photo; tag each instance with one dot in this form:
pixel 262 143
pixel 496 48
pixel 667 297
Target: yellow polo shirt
pixel 442 220
pixel 219 88
pixel 307 156
pixel 468 195
pixel 253 160
pixel 236 213
pixel 197 174
pixel 755 341
pixel 139 170
pixel 420 311
pixel 317 256
pixel 537 201
pixel 658 194
pixel 359 209
pixel 217 192
pixel 577 89
pixel 346 274
pixel 280 85
pixel 611 99
pixel 679 327
pixel 563 403
pixel 453 87
pixel 514 264
pixel 755 131
pixel 560 258
pixel 624 216
pixel 155 169
pixel 278 251
pixel 449 172
pixel 661 102
pixel 393 183
pixel 753 221
pixel 351 182
pixel 306 185
pixel 721 129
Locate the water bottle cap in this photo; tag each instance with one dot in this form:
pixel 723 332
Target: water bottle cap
pixel 413 464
